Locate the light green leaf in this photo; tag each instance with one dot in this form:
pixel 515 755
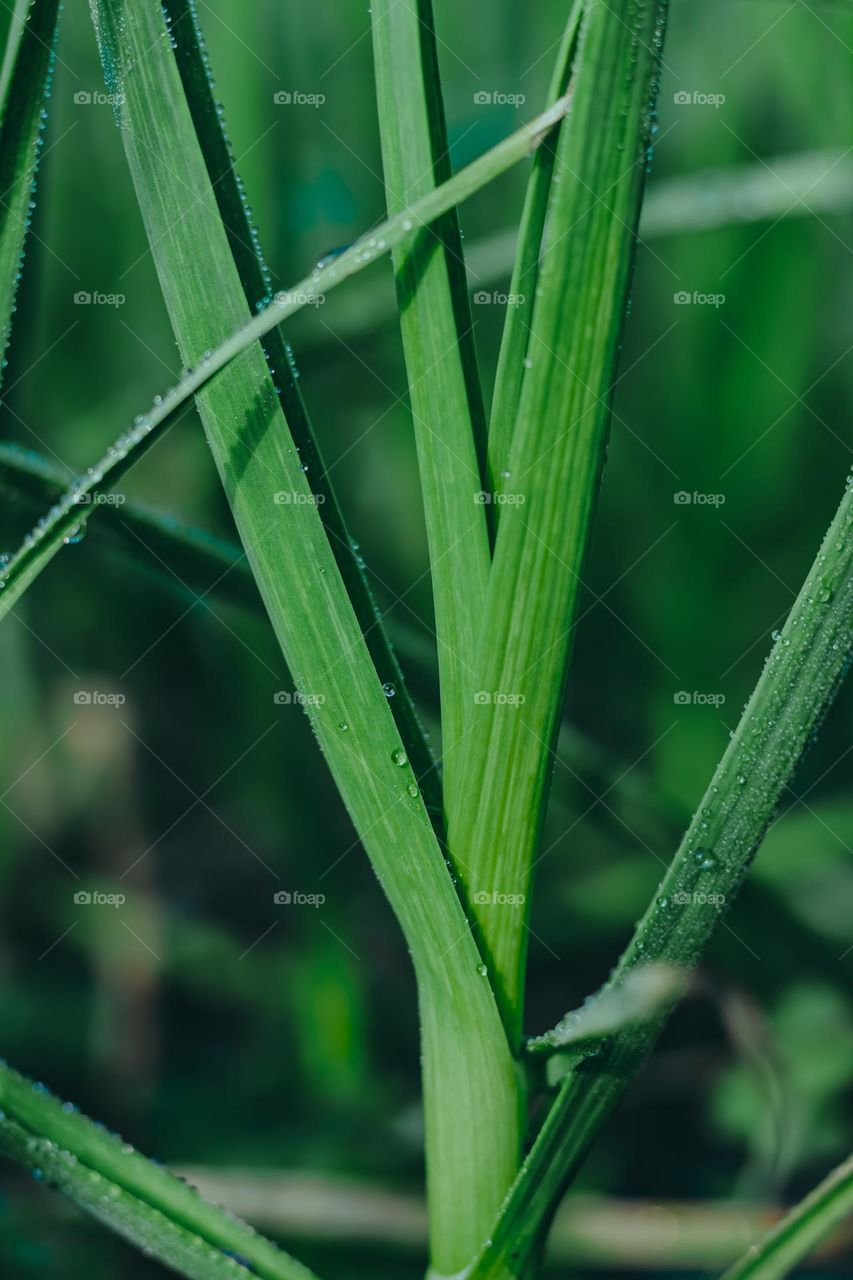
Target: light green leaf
pixel 25 85
pixel 800 1231
pixel 139 1199
pixel 444 390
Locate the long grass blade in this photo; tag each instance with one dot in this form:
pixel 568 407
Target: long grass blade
pixel 438 343
pixel 469 1077
pixel 809 659
pixel 550 486
pixel 25 85
pixel 244 240
pixel 139 1199
pixel 81 501
pixel 522 290
pixel 800 1231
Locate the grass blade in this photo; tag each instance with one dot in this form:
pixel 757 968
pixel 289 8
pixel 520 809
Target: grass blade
pixel 444 390
pixel 25 85
pixel 81 501
pixel 800 1231
pixel 469 1077
pixel 244 241
pixel 519 314
pixel 554 472
pixel 139 1199
pixel 799 680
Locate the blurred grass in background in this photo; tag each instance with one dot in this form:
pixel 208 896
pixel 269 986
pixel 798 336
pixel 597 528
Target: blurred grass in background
pixel 215 1027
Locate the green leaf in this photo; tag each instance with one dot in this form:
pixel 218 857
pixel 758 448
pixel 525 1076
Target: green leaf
pixel 25 85
pixel 139 1199
pixel 444 390
pixel 809 659
pixel 549 483
pixel 800 1231
pixel 244 241
pixel 470 1086
pixel 509 377
pixel 81 502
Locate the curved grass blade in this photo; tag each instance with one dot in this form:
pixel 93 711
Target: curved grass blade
pixel 194 67
pixel 137 1198
pixel 551 483
pixel 800 1231
pixel 81 501
pixel 438 344
pixel 469 1076
pixel 809 659
pixel 25 85
pixel 522 290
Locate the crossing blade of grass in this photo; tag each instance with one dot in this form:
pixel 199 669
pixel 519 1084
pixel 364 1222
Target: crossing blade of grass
pixel 244 240
pixel 800 678
pixel 136 1197
pixel 81 502
pixel 522 290
pixel 470 1092
pixel 554 473
pixel 800 1231
pixel 25 85
pixel 438 343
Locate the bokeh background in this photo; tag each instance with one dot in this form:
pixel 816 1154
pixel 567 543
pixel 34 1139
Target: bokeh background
pixel 275 1047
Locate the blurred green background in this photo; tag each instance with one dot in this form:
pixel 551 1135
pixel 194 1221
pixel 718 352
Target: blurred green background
pixel 217 1029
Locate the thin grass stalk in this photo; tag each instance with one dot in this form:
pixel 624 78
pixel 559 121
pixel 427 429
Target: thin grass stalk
pixel 552 480
pixel 800 1231
pixel 802 674
pixel 438 344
